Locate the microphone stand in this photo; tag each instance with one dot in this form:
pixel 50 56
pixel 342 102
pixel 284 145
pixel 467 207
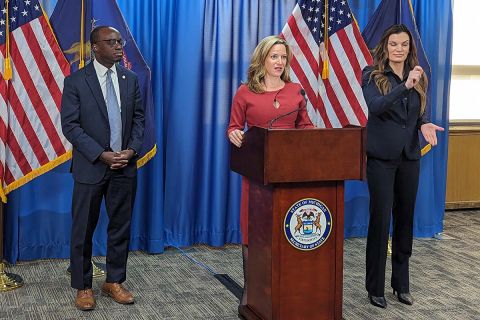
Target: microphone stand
pixel 271 122
pixel 8 281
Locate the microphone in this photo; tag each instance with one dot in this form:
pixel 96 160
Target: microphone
pixel 302 92
pixel 271 122
pixel 276 103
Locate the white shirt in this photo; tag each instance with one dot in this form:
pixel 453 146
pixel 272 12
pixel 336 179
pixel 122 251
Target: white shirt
pixel 101 71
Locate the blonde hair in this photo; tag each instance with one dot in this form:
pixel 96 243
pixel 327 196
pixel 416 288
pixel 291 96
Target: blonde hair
pixel 256 70
pixel 380 61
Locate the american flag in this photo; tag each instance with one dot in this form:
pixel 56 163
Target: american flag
pixel 337 100
pixel 31 141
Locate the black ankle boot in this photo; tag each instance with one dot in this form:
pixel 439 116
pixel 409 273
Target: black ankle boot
pixel 378 301
pixel 405 298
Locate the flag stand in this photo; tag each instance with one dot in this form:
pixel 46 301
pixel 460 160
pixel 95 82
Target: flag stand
pixel 8 281
pixel 98 270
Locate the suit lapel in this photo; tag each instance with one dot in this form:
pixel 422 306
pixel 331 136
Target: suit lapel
pixel 94 84
pixel 122 85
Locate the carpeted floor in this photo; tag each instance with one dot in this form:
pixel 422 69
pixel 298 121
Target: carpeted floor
pixel 445 282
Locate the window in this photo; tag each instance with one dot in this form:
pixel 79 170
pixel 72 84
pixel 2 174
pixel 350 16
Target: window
pixel 465 82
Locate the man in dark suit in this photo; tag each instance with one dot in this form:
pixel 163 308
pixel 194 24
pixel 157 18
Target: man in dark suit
pixel 103 118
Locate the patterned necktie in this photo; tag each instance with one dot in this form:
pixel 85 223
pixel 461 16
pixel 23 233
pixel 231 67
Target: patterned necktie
pixel 114 117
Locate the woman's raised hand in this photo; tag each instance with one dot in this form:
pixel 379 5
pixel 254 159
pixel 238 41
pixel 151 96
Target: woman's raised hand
pixel 414 77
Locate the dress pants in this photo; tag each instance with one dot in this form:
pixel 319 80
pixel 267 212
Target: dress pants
pixel 393 188
pixel 119 193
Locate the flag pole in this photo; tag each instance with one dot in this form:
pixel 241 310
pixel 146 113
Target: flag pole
pixel 325 72
pixel 81 64
pixel 8 281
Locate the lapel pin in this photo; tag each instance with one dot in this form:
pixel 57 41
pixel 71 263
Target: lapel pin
pixel 123 77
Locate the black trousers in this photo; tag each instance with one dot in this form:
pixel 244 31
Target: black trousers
pixel 393 188
pixel 119 193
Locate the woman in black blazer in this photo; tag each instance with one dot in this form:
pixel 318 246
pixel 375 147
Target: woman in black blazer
pixel 395 92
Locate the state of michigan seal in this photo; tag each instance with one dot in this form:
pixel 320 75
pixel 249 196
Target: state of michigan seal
pixel 308 224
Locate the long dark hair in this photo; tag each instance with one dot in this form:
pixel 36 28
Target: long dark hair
pixel 380 61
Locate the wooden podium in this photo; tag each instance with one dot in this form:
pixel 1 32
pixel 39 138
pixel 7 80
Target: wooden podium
pixel 285 167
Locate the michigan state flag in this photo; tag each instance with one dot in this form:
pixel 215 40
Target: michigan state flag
pixel 388 13
pixel 72 22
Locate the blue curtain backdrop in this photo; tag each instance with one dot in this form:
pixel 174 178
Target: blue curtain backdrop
pixel 199 52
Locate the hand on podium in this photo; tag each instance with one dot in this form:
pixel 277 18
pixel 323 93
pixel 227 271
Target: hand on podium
pixel 236 137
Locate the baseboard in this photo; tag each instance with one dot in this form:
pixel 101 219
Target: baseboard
pixel 462 205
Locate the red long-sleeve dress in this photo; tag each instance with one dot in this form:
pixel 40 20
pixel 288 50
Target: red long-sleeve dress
pixel 257 109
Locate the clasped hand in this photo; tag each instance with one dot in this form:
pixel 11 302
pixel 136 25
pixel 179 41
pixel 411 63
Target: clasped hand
pixel 118 159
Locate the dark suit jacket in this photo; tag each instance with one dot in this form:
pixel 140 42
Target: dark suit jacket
pixel 393 119
pixel 85 121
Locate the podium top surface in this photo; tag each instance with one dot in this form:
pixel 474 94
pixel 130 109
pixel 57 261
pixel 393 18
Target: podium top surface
pixel 300 155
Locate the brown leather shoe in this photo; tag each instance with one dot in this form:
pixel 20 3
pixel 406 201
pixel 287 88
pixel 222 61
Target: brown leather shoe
pixel 117 292
pixel 85 300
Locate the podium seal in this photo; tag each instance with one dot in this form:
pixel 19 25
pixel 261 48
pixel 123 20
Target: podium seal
pixel 308 224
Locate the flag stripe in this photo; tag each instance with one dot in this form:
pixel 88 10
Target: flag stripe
pixel 311 95
pixel 13 156
pixel 362 46
pixel 44 34
pixel 43 68
pixel 3 128
pixel 308 76
pixel 24 122
pixel 303 45
pixel 332 118
pixel 336 110
pixel 348 82
pixel 9 178
pixel 2 170
pixel 312 112
pixel 3 113
pixel 357 51
pixel 348 52
pixel 305 32
pixel 16 159
pixel 49 94
pixel 303 72
pixel 34 106
pixel 20 126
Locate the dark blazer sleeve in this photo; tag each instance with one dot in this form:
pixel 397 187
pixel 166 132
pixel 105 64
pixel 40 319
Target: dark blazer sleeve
pixel 138 121
pixel 376 102
pixel 71 127
pixel 425 117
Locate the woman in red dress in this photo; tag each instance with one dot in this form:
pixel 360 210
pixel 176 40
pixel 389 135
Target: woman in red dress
pixel 269 100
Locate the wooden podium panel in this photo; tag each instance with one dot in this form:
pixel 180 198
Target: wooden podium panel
pixel 285 167
pixel 283 281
